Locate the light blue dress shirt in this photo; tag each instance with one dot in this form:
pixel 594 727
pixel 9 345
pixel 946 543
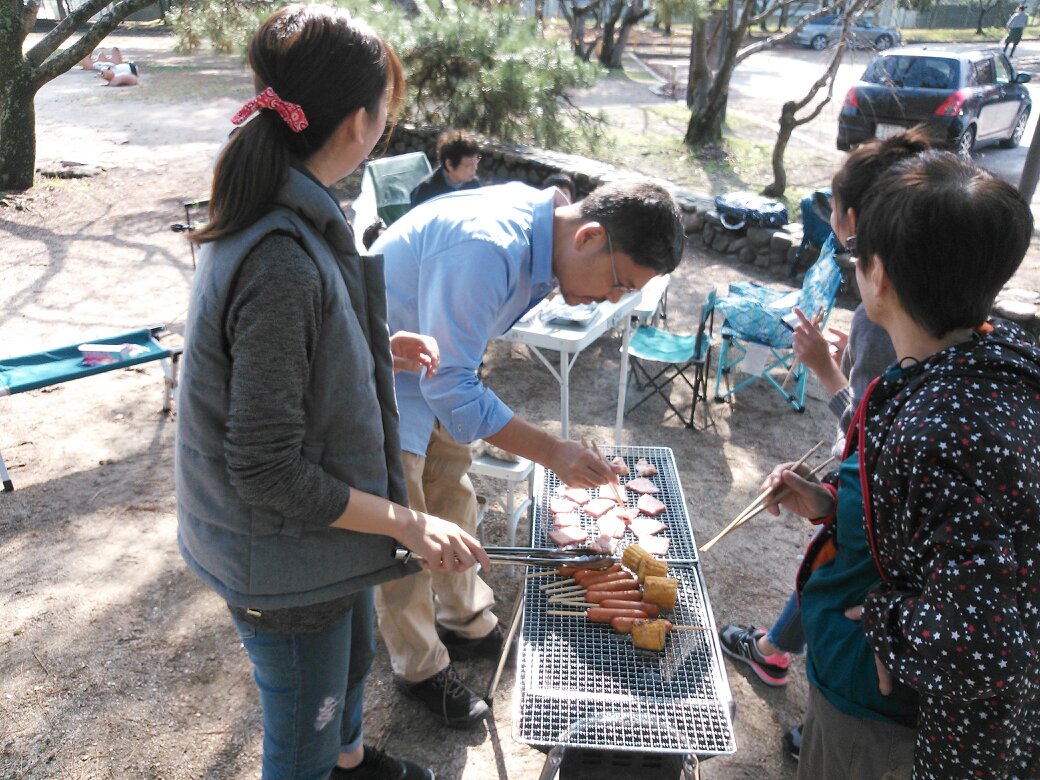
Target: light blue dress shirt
pixel 464 268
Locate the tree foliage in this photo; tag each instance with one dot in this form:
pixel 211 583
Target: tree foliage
pixel 24 72
pixel 484 69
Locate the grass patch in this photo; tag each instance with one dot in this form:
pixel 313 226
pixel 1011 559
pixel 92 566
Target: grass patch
pixel 990 35
pixel 742 160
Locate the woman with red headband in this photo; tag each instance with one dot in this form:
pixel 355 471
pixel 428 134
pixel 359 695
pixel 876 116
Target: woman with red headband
pixel 290 494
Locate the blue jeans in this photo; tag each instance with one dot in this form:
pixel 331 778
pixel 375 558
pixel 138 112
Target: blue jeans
pixel 787 633
pixel 312 688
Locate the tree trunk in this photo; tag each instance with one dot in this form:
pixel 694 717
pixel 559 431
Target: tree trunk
pixel 706 123
pixel 17 128
pixel 699 77
pixel 982 14
pixel 787 125
pixel 706 126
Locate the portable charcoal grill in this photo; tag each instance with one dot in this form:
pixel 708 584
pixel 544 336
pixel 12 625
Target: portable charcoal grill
pixel 586 693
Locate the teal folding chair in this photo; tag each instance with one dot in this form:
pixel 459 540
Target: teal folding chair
pixel 753 320
pixel 658 359
pixel 22 373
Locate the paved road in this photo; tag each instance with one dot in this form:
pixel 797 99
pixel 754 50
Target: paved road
pixel 763 82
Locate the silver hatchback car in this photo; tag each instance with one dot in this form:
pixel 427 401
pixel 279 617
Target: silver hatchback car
pixel 826 31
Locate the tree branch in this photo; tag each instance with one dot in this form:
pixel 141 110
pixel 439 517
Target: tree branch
pixel 66 28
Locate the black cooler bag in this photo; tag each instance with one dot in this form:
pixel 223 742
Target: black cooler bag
pixel 738 210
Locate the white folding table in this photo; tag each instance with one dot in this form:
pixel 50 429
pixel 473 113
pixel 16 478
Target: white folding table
pixel 570 340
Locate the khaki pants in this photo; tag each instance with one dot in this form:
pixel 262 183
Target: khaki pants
pixel 836 746
pixel 410 607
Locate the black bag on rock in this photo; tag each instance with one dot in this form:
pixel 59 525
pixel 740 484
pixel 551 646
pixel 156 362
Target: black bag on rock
pixel 738 210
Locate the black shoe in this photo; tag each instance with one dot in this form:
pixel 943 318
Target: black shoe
pixel 377 765
pixel 447 697
pixel 793 742
pixel 461 648
pixel 741 643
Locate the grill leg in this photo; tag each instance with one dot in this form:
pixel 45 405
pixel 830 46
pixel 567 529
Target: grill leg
pixel 514 624
pixel 691 768
pixel 552 763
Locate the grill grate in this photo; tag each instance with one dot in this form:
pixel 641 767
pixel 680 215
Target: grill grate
pixel 583 685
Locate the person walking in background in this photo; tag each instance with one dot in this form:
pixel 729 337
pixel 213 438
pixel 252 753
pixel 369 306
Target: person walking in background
pixel 290 490
pixel 458 156
pixel 463 269
pixel 1016 26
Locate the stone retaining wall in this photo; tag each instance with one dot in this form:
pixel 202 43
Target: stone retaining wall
pixel 775 251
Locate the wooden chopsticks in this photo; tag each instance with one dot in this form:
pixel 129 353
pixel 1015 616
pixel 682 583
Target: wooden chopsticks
pixel 613 485
pixel 816 320
pixel 764 499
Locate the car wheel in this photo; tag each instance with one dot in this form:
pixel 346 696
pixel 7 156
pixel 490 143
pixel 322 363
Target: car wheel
pixel 883 42
pixel 819 42
pixel 966 142
pixel 1017 131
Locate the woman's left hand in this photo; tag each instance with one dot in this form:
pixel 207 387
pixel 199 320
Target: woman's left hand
pixel 414 352
pixel 884 676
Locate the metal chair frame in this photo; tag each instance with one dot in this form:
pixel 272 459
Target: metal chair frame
pixel 661 381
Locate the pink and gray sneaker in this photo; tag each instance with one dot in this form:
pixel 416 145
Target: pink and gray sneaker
pixel 741 643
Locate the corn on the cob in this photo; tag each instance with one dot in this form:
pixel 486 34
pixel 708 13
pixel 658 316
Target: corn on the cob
pixel 649 634
pixel 662 591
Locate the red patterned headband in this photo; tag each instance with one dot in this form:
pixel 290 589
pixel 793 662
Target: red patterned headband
pixel 290 112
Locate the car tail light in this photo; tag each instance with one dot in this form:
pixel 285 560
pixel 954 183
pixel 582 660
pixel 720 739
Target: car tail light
pixel 953 104
pixel 851 99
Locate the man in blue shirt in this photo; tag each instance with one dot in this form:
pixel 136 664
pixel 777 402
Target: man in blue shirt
pixel 464 268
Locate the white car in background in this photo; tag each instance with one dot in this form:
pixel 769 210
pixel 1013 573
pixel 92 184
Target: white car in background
pixel 826 31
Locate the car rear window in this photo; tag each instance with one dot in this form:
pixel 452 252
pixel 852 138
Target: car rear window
pixel 909 71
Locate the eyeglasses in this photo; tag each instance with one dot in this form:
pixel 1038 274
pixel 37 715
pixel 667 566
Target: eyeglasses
pixel 613 267
pixel 850 245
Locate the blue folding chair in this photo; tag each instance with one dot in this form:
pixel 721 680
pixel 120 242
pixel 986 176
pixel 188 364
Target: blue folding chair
pixel 54 366
pixel 673 356
pixel 816 210
pixel 752 316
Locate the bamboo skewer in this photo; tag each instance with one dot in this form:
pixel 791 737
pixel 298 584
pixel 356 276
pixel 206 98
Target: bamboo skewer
pixel 760 502
pixel 816 320
pixel 557 584
pixel 536 574
pixel 761 507
pixel 613 485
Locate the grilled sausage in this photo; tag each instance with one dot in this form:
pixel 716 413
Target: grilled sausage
pixel 599 596
pixel 590 580
pixel 651 610
pixel 615 585
pixel 623 624
pixel 601 615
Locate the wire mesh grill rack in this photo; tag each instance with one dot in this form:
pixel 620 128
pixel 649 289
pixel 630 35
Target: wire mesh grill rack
pixel 583 685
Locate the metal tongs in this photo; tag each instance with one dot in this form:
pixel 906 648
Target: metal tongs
pixel 534 556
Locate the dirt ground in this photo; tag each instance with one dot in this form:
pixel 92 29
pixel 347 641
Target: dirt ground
pixel 115 661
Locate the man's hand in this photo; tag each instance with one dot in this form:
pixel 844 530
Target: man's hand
pixel 414 352
pixel 578 466
pixel 883 675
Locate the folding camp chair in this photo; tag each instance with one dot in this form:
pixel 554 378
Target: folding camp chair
pixel 816 222
pixel 386 186
pixel 673 356
pixel 54 366
pixel 754 333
